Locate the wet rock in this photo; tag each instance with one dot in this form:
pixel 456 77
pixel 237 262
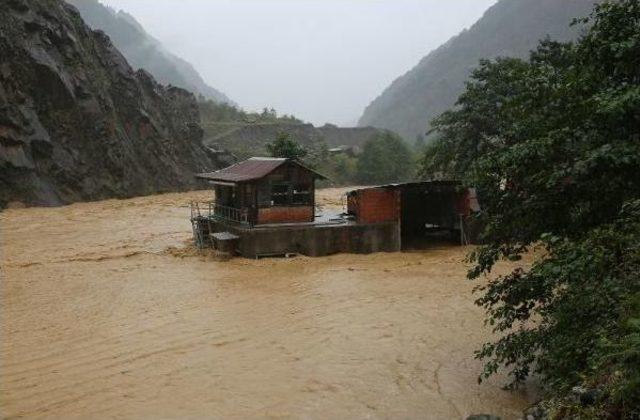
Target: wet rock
pixel 15 157
pixel 78 123
pixel 585 396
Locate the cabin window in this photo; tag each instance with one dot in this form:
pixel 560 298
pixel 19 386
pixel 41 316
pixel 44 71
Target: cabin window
pixel 280 194
pixel 301 194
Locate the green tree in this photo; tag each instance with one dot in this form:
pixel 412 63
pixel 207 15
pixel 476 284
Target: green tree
pixel 553 146
pixel 482 114
pixel 286 147
pixel 344 168
pixel 384 158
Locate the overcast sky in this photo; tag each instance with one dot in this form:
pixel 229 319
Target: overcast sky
pixel 321 60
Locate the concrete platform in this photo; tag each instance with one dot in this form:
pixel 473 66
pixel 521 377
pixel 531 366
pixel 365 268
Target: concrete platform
pixel 325 236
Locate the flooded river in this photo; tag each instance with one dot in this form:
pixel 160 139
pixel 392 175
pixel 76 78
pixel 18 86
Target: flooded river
pixel 107 312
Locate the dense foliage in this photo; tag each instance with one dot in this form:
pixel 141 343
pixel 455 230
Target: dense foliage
pixel 340 169
pixel 286 147
pixel 384 158
pixel 553 146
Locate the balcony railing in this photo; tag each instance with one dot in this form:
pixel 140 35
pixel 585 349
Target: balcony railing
pixel 216 211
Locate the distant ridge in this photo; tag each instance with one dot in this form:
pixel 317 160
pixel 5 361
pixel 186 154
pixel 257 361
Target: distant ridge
pixel 143 51
pixel 509 28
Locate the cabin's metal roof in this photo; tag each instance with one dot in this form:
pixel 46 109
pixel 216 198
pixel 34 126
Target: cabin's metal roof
pixel 433 183
pixel 426 185
pixel 249 170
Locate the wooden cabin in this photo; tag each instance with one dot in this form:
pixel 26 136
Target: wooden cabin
pixel 263 190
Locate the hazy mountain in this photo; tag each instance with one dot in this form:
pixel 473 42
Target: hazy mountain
pixel 77 122
pixel 509 28
pixel 143 51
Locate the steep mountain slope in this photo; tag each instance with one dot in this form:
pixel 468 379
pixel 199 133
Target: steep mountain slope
pixel 509 28
pixel 143 51
pixel 230 130
pixel 77 122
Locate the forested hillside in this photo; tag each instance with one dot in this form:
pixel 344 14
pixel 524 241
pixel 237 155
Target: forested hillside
pixel 509 28
pixel 143 51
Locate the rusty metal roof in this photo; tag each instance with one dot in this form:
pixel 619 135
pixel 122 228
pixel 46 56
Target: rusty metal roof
pixel 422 185
pixel 249 170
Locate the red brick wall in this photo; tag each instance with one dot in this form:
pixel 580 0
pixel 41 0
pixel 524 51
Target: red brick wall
pixel 375 205
pixel 285 214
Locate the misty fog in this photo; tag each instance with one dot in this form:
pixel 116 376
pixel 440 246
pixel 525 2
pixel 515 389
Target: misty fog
pixel 320 60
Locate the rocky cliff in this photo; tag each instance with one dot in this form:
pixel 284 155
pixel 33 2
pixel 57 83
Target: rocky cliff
pixel 510 28
pixel 77 122
pixel 143 51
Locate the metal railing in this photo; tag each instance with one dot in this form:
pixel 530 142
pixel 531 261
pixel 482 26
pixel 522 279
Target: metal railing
pixel 216 211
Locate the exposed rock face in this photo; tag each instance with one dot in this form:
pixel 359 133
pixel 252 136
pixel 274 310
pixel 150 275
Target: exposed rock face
pixel 143 51
pixel 77 122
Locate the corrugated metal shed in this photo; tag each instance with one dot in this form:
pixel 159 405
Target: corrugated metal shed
pixel 249 170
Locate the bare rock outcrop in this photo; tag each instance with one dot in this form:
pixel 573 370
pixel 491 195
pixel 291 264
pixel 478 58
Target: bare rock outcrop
pixel 77 122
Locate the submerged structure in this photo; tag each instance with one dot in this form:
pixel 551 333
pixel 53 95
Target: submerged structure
pixel 266 207
pixel 261 191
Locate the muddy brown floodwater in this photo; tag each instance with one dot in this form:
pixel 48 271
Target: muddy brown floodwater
pixel 107 312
